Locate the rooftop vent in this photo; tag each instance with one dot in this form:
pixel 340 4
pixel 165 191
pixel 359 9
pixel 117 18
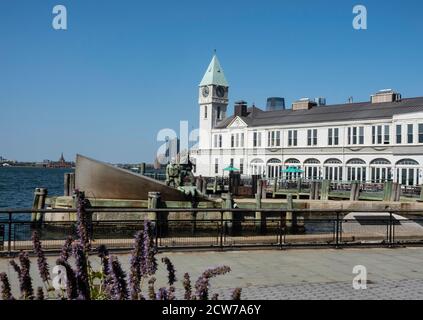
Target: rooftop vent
pixel 303 104
pixel 385 95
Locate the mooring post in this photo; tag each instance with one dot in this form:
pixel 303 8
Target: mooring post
pixel 325 190
pixel 40 195
pixel 204 186
pixel 275 188
pixel 387 191
pixel 290 223
pixel 260 217
pixel 215 183
pixel 66 188
pixel 355 191
pixel 228 216
pixel 398 193
pixel 312 190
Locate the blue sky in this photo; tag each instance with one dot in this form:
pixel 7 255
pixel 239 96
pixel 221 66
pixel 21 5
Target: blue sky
pixel 126 69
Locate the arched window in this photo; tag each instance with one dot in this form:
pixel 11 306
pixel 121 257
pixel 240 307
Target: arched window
pixel 274 161
pixel 274 168
pixel 333 161
pixel 407 162
pixel 356 162
pixel 356 170
pixel 407 172
pixel 381 170
pixel 312 161
pixel 292 161
pixel 312 169
pixel 380 162
pixel 257 167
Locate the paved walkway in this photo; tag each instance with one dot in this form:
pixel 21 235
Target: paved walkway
pixel 298 274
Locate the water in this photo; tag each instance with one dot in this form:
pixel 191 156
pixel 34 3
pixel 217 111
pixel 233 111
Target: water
pixel 17 185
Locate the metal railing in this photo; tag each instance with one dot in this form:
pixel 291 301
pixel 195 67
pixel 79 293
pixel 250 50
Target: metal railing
pixel 229 228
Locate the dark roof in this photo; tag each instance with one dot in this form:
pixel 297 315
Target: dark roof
pixel 341 112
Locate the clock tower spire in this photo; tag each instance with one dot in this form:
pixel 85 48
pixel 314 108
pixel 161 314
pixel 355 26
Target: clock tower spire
pixel 213 100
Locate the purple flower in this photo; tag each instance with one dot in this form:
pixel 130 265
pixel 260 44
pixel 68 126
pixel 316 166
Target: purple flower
pixel 40 294
pixel 71 282
pixel 187 287
pixel 162 294
pixel 236 294
pixel 149 259
pixel 118 288
pixel 82 221
pixel 81 271
pixel 170 270
pixel 202 284
pixel 136 270
pixel 43 267
pixel 6 291
pixel 66 249
pixel 215 296
pixel 25 281
pixel 103 254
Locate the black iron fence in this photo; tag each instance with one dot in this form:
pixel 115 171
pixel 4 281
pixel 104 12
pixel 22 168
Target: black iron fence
pixel 229 228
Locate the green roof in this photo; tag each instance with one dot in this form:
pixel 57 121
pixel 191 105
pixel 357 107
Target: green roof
pixel 214 74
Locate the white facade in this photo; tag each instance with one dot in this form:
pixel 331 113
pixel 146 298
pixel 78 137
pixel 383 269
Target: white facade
pixel 372 150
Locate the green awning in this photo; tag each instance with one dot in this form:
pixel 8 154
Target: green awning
pixel 230 168
pixel 293 170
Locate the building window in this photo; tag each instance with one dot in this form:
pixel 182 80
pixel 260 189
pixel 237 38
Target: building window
pixel 216 166
pixel 232 162
pixel 410 135
pixel 356 135
pixel 218 113
pixel 312 137
pixel 292 138
pixel 205 112
pixel 387 135
pixel 399 134
pixel 381 134
pixel 333 136
pixel 242 140
pixel 232 141
pixel 274 139
pixel 217 141
pixel 237 140
pixel 421 133
pixel 241 166
pixel 256 139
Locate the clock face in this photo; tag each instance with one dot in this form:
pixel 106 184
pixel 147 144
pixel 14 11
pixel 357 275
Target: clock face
pixel 206 92
pixel 220 91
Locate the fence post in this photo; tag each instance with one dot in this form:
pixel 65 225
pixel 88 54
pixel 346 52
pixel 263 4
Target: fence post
pixel 9 236
pixel 355 191
pixel 275 188
pixel 280 231
pixel 290 216
pixel 337 231
pixel 387 191
pixel 260 217
pixel 222 229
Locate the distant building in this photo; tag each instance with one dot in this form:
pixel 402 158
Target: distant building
pixel 62 163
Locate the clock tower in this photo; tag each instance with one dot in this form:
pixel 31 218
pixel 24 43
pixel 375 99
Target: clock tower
pixel 213 100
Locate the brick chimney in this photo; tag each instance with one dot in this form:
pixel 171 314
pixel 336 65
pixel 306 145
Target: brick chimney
pixel 303 104
pixel 386 95
pixel 241 108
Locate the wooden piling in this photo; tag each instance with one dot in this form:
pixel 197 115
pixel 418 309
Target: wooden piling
pixel 290 216
pixel 142 168
pixel 40 195
pixel 260 217
pixel 161 218
pixel 387 191
pixel 325 190
pixel 355 191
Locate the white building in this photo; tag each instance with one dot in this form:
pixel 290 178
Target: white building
pixel 377 140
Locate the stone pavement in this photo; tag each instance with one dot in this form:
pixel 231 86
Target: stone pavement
pixel 296 274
